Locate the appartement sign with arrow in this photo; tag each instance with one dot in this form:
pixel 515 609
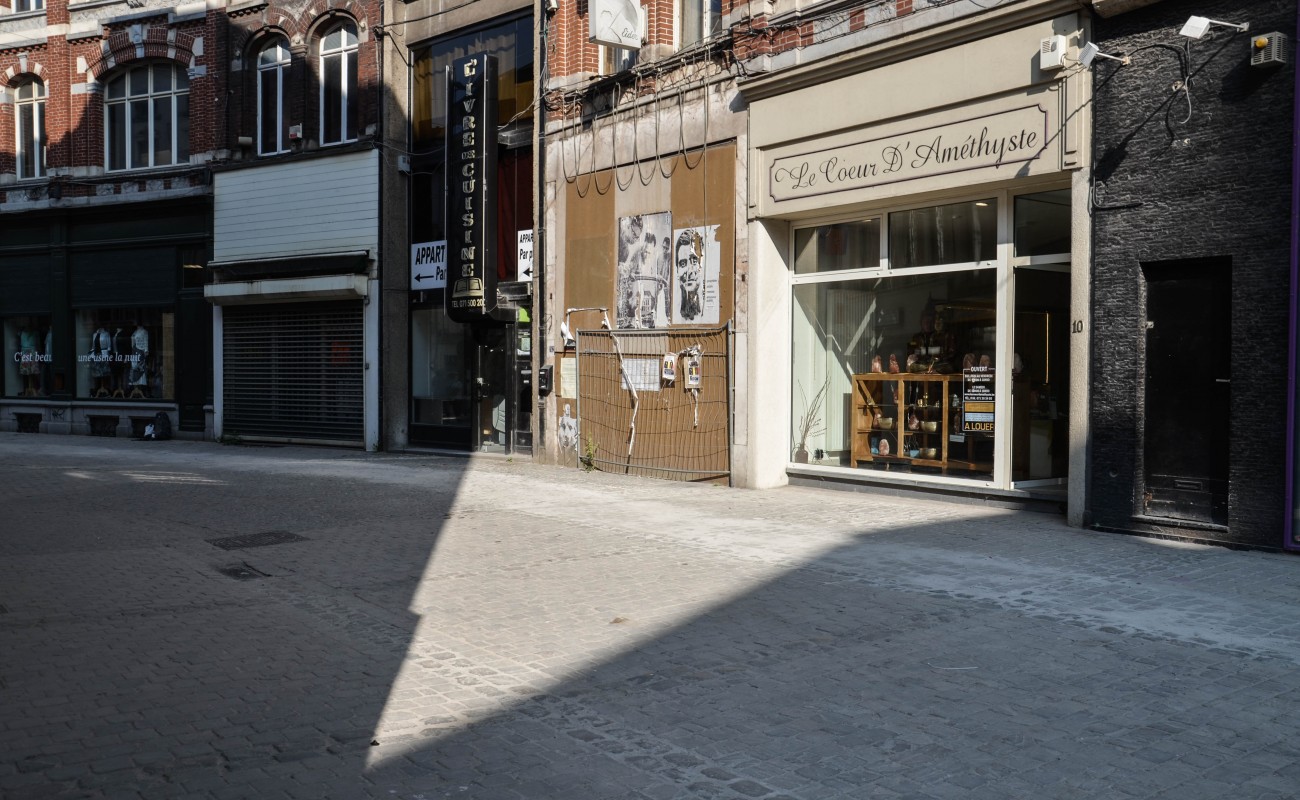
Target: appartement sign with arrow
pixel 429 265
pixel 526 255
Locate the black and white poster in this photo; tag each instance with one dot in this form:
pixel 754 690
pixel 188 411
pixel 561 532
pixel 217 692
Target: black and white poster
pixel 643 284
pixel 695 276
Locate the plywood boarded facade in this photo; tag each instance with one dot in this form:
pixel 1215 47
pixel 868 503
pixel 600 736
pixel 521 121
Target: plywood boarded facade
pixel 660 202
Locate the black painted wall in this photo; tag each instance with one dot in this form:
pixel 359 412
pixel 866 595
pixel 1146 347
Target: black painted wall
pixel 1174 180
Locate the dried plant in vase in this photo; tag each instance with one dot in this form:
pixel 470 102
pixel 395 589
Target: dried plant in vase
pixel 811 423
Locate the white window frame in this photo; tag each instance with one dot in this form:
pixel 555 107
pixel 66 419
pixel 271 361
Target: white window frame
pixel 37 103
pixel 151 96
pixel 1004 263
pixel 706 14
pixel 614 60
pixel 280 66
pixel 345 52
pixel 24 6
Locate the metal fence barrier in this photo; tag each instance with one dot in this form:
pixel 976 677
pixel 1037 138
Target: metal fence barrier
pixel 634 420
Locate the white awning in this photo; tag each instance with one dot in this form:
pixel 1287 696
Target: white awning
pixel 328 287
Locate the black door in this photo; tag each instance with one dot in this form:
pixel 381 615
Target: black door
pixel 1188 362
pixel 491 392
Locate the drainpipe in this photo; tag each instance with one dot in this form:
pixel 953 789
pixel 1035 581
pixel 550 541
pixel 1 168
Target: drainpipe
pixel 542 20
pixel 1290 540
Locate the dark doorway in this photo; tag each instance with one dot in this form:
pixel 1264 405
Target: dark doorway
pixel 1188 364
pixel 491 390
pixel 463 388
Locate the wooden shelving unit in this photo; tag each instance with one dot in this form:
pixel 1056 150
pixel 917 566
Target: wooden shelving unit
pixel 884 396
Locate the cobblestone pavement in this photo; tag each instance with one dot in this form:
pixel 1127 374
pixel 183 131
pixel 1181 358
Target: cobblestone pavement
pixel 438 627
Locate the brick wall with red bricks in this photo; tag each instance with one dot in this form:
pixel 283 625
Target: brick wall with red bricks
pixel 752 29
pixel 75 60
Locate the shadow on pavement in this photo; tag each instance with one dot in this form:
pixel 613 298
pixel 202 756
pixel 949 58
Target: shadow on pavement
pixel 453 632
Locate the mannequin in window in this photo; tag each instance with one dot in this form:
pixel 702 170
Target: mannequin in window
pixel 931 349
pixel 101 362
pixel 138 375
pixel 29 362
pixel 121 362
pixel 47 361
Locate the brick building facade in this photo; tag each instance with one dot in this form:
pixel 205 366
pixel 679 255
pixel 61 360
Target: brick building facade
pixel 119 121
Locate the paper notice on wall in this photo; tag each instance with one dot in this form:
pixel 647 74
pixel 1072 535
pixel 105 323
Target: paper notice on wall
pixel 568 387
pixel 670 367
pixel 693 372
pixel 642 373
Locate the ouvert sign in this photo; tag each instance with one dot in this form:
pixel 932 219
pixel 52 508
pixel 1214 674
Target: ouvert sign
pixel 994 140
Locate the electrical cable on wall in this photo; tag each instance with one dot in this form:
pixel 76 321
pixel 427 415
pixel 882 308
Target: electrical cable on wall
pixel 631 387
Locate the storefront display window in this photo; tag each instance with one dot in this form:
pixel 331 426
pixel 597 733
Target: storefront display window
pixel 438 369
pixel 905 370
pixel 125 353
pixel 847 245
pixel 957 233
pixel 895 373
pixel 1042 223
pixel 27 353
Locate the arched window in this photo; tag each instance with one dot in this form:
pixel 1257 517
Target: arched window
pixel 338 84
pixel 272 122
pixel 29 119
pixel 147 117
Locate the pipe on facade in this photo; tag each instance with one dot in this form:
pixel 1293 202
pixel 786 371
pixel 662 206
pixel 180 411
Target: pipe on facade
pixel 1289 539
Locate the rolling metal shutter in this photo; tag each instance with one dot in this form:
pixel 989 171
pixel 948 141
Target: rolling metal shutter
pixel 294 371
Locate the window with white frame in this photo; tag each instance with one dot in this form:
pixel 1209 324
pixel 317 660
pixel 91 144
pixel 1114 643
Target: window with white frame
pixel 28 5
pixel 29 119
pixel 147 117
pixel 614 60
pixel 697 20
pixel 272 123
pixel 338 84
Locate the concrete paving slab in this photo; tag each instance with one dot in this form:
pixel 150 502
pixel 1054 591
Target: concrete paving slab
pixel 483 627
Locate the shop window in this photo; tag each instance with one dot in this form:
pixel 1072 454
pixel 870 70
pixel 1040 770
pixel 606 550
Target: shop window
pixel 272 122
pixel 29 117
pixel 1042 222
pixel 338 84
pixel 126 353
pixel 845 245
pixel 958 233
pixel 27 356
pixel 697 20
pixel 884 367
pixel 147 117
pixel 439 370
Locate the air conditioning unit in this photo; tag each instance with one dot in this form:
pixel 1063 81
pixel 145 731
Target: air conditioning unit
pixel 1051 53
pixel 295 132
pixel 1270 50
